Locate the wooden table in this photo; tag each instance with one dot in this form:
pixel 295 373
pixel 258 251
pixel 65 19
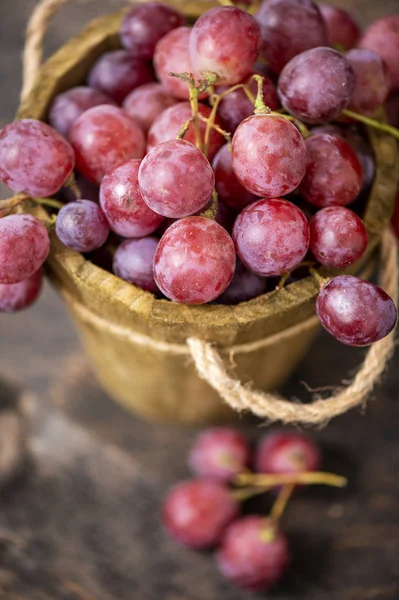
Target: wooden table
pixel 82 522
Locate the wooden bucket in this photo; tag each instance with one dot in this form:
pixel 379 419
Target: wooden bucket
pixel 109 312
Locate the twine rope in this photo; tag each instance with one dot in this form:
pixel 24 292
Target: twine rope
pixel 208 361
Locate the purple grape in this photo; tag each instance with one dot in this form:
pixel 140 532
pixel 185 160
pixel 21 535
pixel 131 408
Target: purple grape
pixel 117 73
pixel 382 37
pixel 228 187
pixel 271 236
pixel 195 261
pixel 144 25
pixel 244 286
pixel 82 226
pixel 289 27
pixel 146 102
pixel 24 246
pixel 123 205
pixel 68 106
pixel 343 29
pixel 34 158
pixel 316 85
pixel 104 137
pixel 355 312
pixel 372 81
pixel 133 262
pixel 17 296
pixel 224 41
pixel 176 180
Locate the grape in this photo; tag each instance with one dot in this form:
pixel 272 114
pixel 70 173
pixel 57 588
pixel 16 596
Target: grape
pixel 195 260
pixel 133 262
pixel 244 286
pixel 82 226
pixel 169 123
pixel 271 236
pixel 34 158
pixel 197 512
pixel 342 28
pixel 123 205
pixel 338 237
pixel 117 73
pixel 104 137
pixel 355 312
pixel 17 296
pixel 24 246
pixel 333 172
pixel 225 41
pixel 316 85
pixel 253 554
pixel 357 142
pixel 236 106
pixel 69 105
pixel 146 102
pixel 269 155
pixel 172 56
pixel 143 26
pixel 289 27
pixel 372 81
pixel 227 185
pixel 219 453
pixel 382 37
pixel 287 452
pixel 176 180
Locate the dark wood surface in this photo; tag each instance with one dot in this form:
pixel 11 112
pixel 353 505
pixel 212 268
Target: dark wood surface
pixel 81 521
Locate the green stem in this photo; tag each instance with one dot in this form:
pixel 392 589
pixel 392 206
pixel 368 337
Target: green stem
pixel 260 106
pixel 322 281
pixel 372 123
pixel 184 129
pixel 308 477
pixel 281 502
pixel 210 213
pixel 48 202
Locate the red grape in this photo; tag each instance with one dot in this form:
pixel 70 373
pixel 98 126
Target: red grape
pixel 197 512
pixel 289 27
pixel 34 158
pixel 236 106
pixel 123 205
pixel 144 25
pixel 169 123
pixel 133 261
pixel 117 73
pixel 104 137
pixel 244 286
pixel 24 246
pixel 333 172
pixel 269 155
pixel 271 236
pixel 382 37
pixel 172 56
pixel 82 226
pixel 287 452
pixel 372 81
pixel 342 28
pixel 195 260
pixel 227 185
pixel 355 312
pixel 338 237
pixel 146 102
pixel 69 105
pixel 176 180
pixel 253 554
pixel 17 296
pixel 219 453
pixel 225 41
pixel 316 85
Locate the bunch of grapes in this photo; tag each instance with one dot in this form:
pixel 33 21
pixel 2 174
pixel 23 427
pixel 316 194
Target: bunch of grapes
pixel 252 552
pixel 205 163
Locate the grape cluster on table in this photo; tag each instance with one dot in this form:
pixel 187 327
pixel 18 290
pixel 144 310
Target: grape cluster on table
pixel 186 214
pixel 251 550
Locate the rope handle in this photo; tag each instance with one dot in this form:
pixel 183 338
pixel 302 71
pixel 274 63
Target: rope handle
pixel 208 362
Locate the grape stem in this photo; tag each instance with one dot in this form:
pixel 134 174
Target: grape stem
pixel 210 213
pixel 322 281
pixel 193 98
pixel 250 492
pixel 281 502
pixel 372 123
pixel 71 183
pixel 223 132
pixel 283 279
pixel 260 106
pixel 19 198
pixel 184 129
pixel 274 480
